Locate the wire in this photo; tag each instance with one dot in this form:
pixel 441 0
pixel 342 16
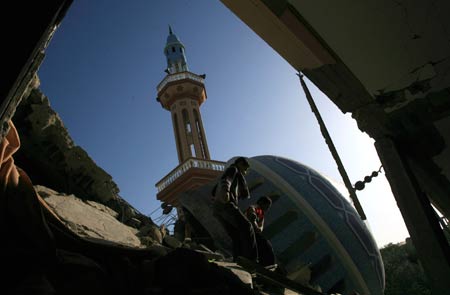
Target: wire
pixel 332 148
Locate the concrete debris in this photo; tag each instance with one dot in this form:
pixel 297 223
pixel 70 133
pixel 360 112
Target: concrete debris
pixel 171 242
pixel 103 244
pixel 151 231
pixel 89 219
pixel 164 264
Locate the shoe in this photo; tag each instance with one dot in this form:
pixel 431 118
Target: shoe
pixel 272 267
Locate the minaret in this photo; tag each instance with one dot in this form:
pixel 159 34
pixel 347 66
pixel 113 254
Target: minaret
pixel 182 93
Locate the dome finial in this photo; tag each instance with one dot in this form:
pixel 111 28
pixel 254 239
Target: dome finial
pixel 170 30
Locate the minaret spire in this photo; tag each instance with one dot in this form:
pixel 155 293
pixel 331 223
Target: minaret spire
pixel 174 51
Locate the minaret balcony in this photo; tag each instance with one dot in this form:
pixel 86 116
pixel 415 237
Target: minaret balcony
pixel 181 85
pixel 188 175
pixel 179 76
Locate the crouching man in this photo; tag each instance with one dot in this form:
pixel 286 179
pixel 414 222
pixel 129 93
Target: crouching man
pixel 255 214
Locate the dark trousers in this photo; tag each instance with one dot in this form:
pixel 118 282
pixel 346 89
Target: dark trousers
pixel 239 229
pixel 265 250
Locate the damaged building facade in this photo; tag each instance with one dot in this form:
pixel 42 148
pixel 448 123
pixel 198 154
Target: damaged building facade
pixel 386 63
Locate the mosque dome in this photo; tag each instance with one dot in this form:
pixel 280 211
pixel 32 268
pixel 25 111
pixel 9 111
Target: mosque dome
pixel 312 226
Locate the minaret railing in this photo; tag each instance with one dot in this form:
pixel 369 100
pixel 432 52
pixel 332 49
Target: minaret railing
pixel 177 77
pixel 185 166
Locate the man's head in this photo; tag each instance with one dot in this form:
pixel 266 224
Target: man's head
pixel 242 164
pixel 264 203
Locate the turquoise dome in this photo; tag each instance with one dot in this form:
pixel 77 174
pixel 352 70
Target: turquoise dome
pixel 311 225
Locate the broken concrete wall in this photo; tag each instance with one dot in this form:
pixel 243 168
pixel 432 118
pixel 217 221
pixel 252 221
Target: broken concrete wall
pixel 51 158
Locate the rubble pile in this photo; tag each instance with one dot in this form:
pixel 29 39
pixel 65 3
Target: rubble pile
pixel 97 253
pixel 105 246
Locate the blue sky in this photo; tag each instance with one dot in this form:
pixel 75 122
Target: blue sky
pixel 105 60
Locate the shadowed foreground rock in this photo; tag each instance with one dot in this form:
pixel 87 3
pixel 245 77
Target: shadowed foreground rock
pixel 185 271
pixel 97 254
pixel 181 271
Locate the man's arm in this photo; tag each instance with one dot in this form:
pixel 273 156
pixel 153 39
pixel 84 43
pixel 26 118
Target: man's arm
pixel 223 190
pixel 227 178
pixel 244 192
pixel 251 215
pixel 261 226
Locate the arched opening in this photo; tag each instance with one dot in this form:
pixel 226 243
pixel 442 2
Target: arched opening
pixel 187 123
pixel 177 135
pixel 321 267
pixel 280 223
pixel 338 287
pixel 188 130
pixel 200 134
pixel 299 246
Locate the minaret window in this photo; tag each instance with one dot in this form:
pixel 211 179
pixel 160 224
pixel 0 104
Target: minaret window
pixel 200 134
pixel 177 135
pixel 173 49
pixel 187 124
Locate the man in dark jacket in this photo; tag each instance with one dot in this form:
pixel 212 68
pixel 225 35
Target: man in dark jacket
pixel 230 188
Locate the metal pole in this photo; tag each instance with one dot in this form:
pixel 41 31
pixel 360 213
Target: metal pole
pixel 333 150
